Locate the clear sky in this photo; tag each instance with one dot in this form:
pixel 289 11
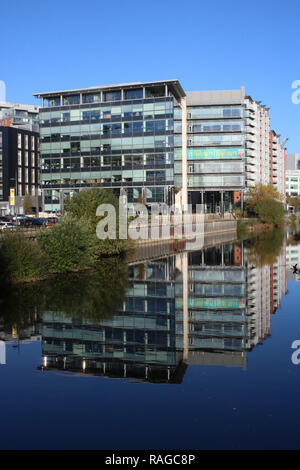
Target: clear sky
pixel 207 45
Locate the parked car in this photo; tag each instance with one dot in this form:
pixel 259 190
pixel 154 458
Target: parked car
pixel 51 221
pixel 37 222
pixel 7 226
pixel 9 218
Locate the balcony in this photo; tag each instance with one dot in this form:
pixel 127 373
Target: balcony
pixel 251 154
pixel 250 145
pixel 250 137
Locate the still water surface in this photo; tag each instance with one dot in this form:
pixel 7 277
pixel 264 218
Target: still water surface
pixel 188 351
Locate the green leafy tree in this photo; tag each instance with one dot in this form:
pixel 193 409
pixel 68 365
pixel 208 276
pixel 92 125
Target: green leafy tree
pixel 70 245
pixel 84 204
pixel 21 258
pixel 270 212
pixel 27 204
pixel 259 193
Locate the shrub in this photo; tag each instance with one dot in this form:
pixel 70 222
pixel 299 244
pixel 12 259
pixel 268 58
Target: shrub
pixel 270 212
pixel 21 258
pixel 69 245
pixel 84 205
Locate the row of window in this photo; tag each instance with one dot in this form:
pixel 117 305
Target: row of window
pixel 125 176
pixel 215 181
pixel 211 126
pixel 128 94
pixel 153 159
pixel 96 146
pixel 117 128
pixel 224 139
pixel 211 167
pixel 147 110
pixel 210 112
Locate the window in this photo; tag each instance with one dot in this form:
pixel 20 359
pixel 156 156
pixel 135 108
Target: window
pixel 133 94
pixel 72 99
pixel 90 97
pixel 112 96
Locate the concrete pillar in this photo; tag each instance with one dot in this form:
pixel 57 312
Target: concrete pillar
pixel 166 90
pixel 184 199
pixel 61 199
pixel 61 100
pixel 222 203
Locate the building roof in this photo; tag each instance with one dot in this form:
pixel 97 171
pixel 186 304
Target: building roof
pixel 31 108
pixel 173 84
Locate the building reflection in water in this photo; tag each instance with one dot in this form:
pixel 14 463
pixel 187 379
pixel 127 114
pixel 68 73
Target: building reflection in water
pixel 208 307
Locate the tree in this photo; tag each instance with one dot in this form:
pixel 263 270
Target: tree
pixel 21 259
pixel 270 212
pixel 258 194
pixel 294 201
pixel 84 204
pixel 27 204
pixel 70 244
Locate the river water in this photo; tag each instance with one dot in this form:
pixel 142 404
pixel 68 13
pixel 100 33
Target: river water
pixel 188 350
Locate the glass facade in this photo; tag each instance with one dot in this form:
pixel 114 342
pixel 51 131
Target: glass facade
pixel 125 140
pixel 215 155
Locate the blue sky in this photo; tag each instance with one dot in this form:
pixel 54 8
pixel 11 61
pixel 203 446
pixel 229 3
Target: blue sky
pixel 56 45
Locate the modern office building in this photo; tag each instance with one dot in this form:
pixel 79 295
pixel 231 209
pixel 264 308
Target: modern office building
pixel 118 136
pixel 292 174
pixel 228 149
pixel 155 143
pixel 19 169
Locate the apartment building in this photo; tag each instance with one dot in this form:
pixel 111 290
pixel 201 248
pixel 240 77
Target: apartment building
pixel 19 169
pixel 277 164
pixel 23 116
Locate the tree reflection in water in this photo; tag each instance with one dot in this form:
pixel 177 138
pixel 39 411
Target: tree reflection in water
pixel 93 295
pixel 265 248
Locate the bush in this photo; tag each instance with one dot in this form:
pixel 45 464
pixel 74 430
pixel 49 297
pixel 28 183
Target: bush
pixel 69 245
pixel 84 205
pixel 21 258
pixel 270 212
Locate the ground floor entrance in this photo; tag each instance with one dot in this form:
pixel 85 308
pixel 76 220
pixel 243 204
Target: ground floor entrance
pixel 216 202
